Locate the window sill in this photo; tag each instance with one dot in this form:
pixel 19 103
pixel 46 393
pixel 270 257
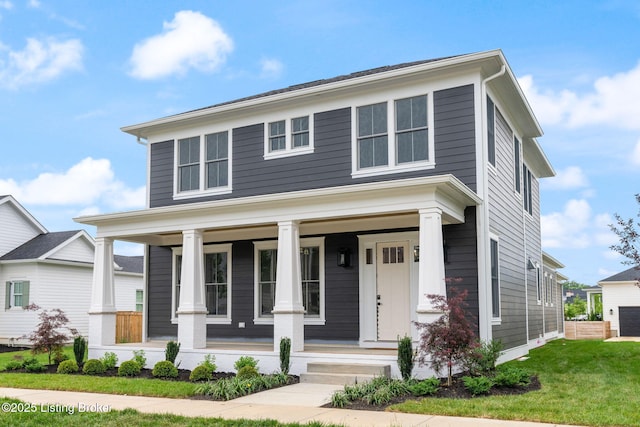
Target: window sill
pixel 496 321
pixel 288 153
pixel 307 321
pixel 210 321
pixel 198 193
pixel 386 170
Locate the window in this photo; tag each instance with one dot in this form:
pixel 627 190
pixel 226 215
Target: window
pixel 538 284
pixel 495 280
pixel 217 277
pixel 372 136
pixel 17 294
pixel 491 132
pixel 411 129
pixel 516 161
pixel 217 163
pixel 528 199
pixel 312 273
pixel 203 165
pixel 289 137
pixel 189 164
pixel 139 299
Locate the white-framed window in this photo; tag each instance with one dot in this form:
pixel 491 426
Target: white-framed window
pixel 288 136
pixel 393 136
pixel 538 284
pixel 312 273
pixel 495 277
pixel 218 283
pixel 17 294
pixel 203 165
pixel 139 299
pixel 527 193
pixel 491 132
pixel 517 166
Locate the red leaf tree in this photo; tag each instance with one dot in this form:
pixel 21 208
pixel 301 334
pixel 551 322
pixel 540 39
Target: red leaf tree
pixel 50 334
pixel 448 341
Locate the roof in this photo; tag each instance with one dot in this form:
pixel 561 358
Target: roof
pixel 130 264
pixel 630 275
pixel 39 245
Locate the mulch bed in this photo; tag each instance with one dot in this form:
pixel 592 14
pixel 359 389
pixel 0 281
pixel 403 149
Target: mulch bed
pixel 7 349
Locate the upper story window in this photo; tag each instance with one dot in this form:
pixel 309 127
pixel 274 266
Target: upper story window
pixel 516 161
pixel 203 165
pixel 289 137
pixel 491 132
pixel 406 120
pixel 527 195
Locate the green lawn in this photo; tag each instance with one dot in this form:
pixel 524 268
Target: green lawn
pixel 590 383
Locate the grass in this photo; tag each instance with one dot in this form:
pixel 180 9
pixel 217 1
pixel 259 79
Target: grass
pixel 591 383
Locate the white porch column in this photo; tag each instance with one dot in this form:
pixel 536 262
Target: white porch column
pixel 431 274
pixel 102 312
pixel 288 312
pixel 192 310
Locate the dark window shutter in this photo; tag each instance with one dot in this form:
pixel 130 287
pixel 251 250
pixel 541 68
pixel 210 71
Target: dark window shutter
pixel 7 299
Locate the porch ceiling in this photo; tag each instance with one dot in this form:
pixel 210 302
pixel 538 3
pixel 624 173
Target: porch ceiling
pixel 359 207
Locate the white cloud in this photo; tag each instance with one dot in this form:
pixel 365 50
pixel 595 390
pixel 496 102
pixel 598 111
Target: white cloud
pixel 191 40
pixel 612 101
pixel 570 178
pixel 271 68
pixel 39 62
pixel 635 155
pixel 6 4
pixel 90 182
pixel 567 229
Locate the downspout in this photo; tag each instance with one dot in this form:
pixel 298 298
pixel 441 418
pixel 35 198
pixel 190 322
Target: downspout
pixel 483 217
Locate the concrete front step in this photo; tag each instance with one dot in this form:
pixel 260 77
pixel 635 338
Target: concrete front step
pixel 343 373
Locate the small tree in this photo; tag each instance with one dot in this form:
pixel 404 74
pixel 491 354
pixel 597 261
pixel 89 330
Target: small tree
pixel 405 357
pixel 49 336
pixel 628 231
pixel 575 308
pixel 285 354
pixel 447 341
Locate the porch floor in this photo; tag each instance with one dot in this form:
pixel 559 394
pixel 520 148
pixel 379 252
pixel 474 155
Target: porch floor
pixel 268 347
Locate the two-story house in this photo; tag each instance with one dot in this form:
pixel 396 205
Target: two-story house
pixel 326 212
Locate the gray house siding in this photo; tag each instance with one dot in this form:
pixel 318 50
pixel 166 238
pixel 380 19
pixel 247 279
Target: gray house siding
pixel 159 294
pixel 330 162
pixel 534 253
pixel 506 222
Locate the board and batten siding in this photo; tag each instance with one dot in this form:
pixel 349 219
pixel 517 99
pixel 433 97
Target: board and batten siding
pixel 15 229
pixel 506 222
pixel 330 163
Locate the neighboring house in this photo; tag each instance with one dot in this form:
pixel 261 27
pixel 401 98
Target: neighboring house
pixel 326 212
pixel 553 312
pixel 52 270
pixel 621 302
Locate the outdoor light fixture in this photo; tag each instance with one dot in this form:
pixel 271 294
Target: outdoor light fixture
pixel 416 253
pixel 611 311
pixel 344 257
pixel 532 265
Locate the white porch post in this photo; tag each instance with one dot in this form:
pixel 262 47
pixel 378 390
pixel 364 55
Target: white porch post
pixel 192 311
pixel 431 275
pixel 102 312
pixel 288 312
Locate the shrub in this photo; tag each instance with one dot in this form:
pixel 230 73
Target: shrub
pixel 129 368
pixel 201 373
pixel 247 372
pixel 511 376
pixel 32 365
pixel 14 365
pixel 68 367
pixel 165 369
pixel 79 348
pixel 49 336
pixel 209 360
pixel 339 399
pixel 447 341
pixel 59 356
pixel 245 361
pixel 231 388
pixel 483 357
pixel 427 387
pixel 405 357
pixel 93 367
pixel 109 360
pixel 285 355
pixel 139 356
pixel 171 352
pixel 477 385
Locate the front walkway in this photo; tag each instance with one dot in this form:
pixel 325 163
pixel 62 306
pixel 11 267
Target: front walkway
pixel 274 404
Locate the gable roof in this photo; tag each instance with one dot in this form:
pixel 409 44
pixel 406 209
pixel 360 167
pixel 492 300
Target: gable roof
pixel 25 213
pixel 130 264
pixel 39 245
pixel 630 275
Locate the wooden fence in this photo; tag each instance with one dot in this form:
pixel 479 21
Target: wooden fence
pixel 128 326
pixel 587 330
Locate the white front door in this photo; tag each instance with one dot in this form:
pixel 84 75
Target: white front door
pixel 393 295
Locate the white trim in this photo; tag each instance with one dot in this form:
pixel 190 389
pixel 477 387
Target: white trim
pixel 495 320
pixel 273 244
pixel 289 149
pixel 211 320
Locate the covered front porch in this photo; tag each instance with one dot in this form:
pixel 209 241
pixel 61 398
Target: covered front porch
pixel 407 215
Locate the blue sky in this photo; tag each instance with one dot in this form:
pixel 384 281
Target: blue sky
pixel 73 73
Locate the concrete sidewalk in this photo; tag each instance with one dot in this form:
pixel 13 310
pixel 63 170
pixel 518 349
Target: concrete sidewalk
pixel 299 403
